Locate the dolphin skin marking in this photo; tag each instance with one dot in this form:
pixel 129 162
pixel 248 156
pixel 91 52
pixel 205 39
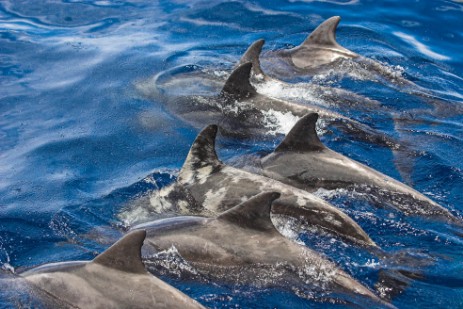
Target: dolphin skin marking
pixel 303 161
pixel 242 246
pixel 114 279
pixel 206 186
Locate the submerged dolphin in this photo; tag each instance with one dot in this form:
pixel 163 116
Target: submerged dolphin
pixel 242 112
pixel 301 160
pixel 321 52
pixel 242 246
pixel 114 279
pixel 206 186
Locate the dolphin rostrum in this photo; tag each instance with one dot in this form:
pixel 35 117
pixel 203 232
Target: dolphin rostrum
pixel 241 246
pixel 206 186
pixel 114 279
pixel 303 161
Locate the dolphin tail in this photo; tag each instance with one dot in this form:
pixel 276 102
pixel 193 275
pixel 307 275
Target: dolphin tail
pixel 392 283
pixel 366 133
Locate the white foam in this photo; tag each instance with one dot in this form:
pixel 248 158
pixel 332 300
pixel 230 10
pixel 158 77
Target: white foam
pixel 295 91
pixel 278 122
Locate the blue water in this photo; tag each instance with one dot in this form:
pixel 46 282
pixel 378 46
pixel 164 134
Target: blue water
pixel 77 139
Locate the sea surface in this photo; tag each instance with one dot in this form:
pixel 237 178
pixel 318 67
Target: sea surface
pixel 79 140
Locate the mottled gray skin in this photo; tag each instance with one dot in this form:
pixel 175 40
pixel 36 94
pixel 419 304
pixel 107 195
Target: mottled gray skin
pixel 115 279
pixel 243 247
pixel 205 186
pixel 301 160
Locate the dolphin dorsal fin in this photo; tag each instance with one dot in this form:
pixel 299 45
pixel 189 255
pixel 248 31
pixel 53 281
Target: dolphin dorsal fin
pixel 238 85
pixel 125 254
pixel 324 34
pixel 303 136
pixel 254 213
pixel 202 152
pixel 252 55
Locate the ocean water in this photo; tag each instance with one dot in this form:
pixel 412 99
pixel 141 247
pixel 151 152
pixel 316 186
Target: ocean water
pixel 79 139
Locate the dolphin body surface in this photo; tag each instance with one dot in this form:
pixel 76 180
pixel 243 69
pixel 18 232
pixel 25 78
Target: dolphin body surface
pixel 303 161
pixel 114 279
pixel 205 186
pixel 241 246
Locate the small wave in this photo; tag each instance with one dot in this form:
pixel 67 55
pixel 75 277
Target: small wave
pixel 420 46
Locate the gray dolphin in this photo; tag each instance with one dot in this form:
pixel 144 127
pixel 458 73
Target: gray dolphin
pixel 301 160
pixel 321 95
pixel 205 186
pixel 242 112
pixel 242 246
pixel 114 279
pixel 320 52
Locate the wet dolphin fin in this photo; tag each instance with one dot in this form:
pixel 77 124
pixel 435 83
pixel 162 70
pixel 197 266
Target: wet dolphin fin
pixel 325 35
pixel 303 136
pixel 254 213
pixel 252 55
pixel 238 85
pixel 125 254
pixel 202 152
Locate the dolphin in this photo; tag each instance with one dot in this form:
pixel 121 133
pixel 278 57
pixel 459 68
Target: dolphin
pixel 206 186
pixel 303 161
pixel 308 91
pixel 320 53
pixel 114 279
pixel 242 246
pixel 242 112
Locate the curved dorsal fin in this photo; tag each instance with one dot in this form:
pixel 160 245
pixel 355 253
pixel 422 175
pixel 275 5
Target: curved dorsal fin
pixel 238 85
pixel 252 55
pixel 202 152
pixel 303 136
pixel 254 213
pixel 125 254
pixel 325 35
